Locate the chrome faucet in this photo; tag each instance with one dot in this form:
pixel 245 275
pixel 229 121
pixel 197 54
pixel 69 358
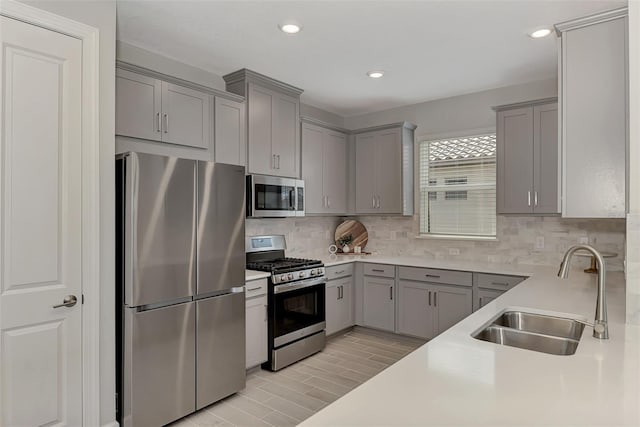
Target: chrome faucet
pixel 600 326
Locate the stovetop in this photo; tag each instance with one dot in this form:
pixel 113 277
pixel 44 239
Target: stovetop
pixel 283 265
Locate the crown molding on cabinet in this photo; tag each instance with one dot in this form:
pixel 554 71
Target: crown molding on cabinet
pixel 590 20
pixel 524 104
pixel 160 76
pixel 406 125
pixel 244 74
pixel 313 121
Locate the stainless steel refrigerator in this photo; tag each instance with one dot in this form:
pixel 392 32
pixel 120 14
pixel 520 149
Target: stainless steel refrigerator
pixel 180 286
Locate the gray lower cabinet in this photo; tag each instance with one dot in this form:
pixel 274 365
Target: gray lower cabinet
pixel 384 170
pixel 339 304
pixel 594 110
pixel 426 310
pixel 487 287
pixel 256 322
pixel 230 132
pixel 324 169
pixel 527 158
pixel 379 302
pixel 152 109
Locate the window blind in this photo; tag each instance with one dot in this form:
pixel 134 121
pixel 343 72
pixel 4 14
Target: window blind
pixel 458 186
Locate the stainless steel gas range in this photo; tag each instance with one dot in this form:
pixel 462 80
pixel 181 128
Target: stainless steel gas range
pixel 296 299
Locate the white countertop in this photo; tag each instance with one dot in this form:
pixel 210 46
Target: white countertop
pixel 255 275
pixel 458 380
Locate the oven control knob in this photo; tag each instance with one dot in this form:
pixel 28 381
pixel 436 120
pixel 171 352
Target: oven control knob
pixel 301 275
pixel 290 276
pixel 283 277
pixel 312 273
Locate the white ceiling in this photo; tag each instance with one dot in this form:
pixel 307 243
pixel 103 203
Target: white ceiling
pixel 428 49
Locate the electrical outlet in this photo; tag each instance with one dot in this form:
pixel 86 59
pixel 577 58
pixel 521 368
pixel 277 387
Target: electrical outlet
pixel 540 242
pixel 584 240
pixel 454 251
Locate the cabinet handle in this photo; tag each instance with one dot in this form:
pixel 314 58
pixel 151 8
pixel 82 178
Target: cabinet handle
pixel 166 123
pixel 499 284
pixel 273 161
pixel 253 289
pixel 391 293
pixel 373 202
pixel 339 272
pixel 339 293
pixel 378 202
pixel 377 271
pixel 278 157
pixel 535 198
pixel 328 202
pixel 429 297
pixel 528 198
pixel 435 299
pixel 435 276
pixel 158 122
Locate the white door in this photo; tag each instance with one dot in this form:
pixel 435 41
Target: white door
pixel 312 168
pixel 379 307
pixel 332 307
pixel 415 314
pixel 40 220
pixel 185 116
pixel 452 304
pixel 138 106
pixel 335 171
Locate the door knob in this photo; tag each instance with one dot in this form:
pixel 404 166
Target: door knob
pixel 68 301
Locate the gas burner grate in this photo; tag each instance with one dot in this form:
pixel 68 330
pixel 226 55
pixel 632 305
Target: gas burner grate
pixel 281 264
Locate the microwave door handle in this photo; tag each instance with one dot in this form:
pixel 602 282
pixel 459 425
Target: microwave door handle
pixel 292 199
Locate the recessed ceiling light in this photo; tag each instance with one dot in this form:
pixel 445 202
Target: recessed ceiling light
pixel 375 74
pixel 290 28
pixel 543 32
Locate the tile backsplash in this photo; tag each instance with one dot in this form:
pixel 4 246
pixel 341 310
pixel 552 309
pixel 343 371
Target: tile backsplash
pixel 516 244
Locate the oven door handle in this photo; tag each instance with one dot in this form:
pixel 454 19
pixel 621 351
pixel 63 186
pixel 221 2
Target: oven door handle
pixel 288 287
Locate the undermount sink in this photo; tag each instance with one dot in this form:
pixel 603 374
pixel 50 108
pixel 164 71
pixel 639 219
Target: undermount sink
pixel 537 332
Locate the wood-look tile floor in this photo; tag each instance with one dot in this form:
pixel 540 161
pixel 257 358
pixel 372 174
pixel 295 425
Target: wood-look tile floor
pixel 289 396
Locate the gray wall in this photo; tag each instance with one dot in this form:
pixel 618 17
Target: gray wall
pixel 102 15
pixel 459 113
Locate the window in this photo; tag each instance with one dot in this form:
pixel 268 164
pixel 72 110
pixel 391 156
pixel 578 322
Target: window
pixel 458 186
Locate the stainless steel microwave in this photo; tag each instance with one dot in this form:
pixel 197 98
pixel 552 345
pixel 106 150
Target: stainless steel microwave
pixel 274 197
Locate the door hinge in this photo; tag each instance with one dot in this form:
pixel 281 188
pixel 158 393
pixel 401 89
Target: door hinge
pixel 82 299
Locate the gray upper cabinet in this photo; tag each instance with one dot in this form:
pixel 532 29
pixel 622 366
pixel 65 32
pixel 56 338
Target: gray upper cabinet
pixel 185 116
pixel 230 134
pixel 149 108
pixel 138 105
pixel 527 158
pixel 324 169
pixel 273 123
pixel 594 115
pixel 384 170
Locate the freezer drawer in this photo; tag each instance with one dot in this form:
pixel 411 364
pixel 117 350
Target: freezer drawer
pixel 159 364
pixel 221 205
pixel 220 347
pixel 159 233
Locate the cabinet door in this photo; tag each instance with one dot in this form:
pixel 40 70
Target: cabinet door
pixel 514 162
pixel 229 128
pixel 261 160
pixel 334 165
pixel 388 169
pixel 594 112
pixel 415 315
pixel 365 173
pixel 451 304
pixel 545 159
pixel 378 303
pixel 256 332
pixel 346 303
pixel 332 307
pixel 285 142
pixel 485 296
pixel 185 116
pixel 312 168
pixel 138 106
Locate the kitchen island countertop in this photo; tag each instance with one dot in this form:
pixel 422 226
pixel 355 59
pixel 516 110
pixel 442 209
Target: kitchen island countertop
pixel 457 380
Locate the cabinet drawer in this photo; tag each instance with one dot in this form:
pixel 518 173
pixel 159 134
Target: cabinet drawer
pixel 497 281
pixel 432 275
pixel 337 271
pixel 381 270
pixel 255 288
